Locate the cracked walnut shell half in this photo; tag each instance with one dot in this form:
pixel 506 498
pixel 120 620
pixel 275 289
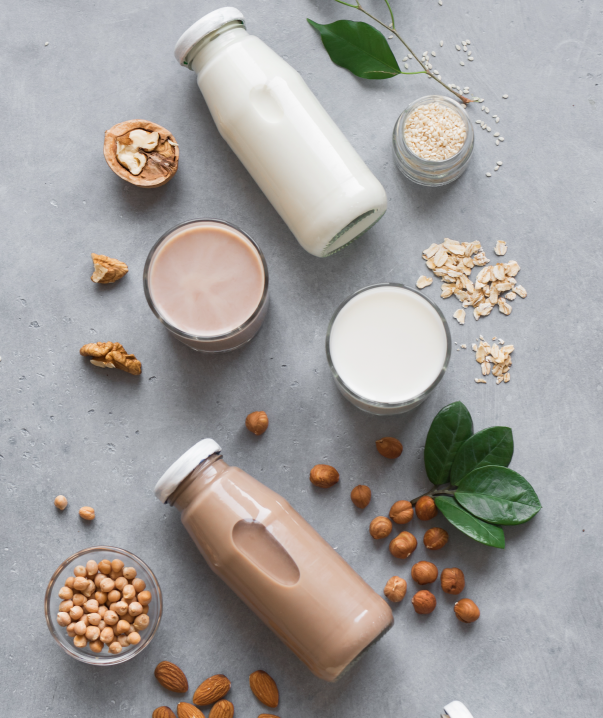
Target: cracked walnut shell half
pixel 110 355
pixel 142 153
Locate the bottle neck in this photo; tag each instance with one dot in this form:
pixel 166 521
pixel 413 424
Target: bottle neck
pixel 199 479
pixel 214 43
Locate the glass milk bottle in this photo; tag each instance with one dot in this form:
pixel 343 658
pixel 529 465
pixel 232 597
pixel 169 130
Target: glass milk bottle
pixel 301 160
pixel 275 561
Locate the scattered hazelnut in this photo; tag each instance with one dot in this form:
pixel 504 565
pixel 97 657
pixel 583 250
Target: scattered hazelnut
pixel 257 422
pixel 395 589
pixel 424 572
pixel 389 447
pixel 361 496
pixel 380 527
pixel 425 508
pixel 435 538
pixel 324 476
pixel 424 602
pixel 466 611
pixel 403 545
pixel 452 580
pixel 107 270
pixel 87 513
pixel 61 502
pixel 401 512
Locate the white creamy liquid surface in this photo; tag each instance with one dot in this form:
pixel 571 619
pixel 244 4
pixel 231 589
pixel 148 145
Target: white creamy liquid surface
pixel 388 344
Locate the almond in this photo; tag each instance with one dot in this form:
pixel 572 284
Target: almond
pixel 171 677
pixel 186 710
pixel 264 688
pixel 222 709
pixel 267 715
pixel 211 690
pixel 163 712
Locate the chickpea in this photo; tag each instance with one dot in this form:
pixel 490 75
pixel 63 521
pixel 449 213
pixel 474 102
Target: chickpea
pixel 128 592
pixel 141 622
pixel 135 608
pixel 71 630
pixel 100 597
pixel 63 618
pixel 79 571
pixel 120 583
pixel 69 581
pixel 89 590
pixel 117 564
pixel 121 608
pixel 145 610
pixel 110 618
pixel 91 606
pixel 66 593
pixel 80 583
pixel 105 567
pixel 102 610
pixel 80 628
pixel 97 580
pixel 76 613
pixel 122 627
pixel 107 635
pixel 144 598
pixel 65 606
pixel 131 629
pixel 101 625
pixel 91 568
pixel 115 575
pixel 112 606
pixel 123 640
pixel 61 502
pixel 134 638
pixel 94 619
pixel 113 596
pixel 115 647
pixel 139 585
pixel 92 633
pixel 79 599
pixel 84 619
pixel 129 573
pixel 107 585
pixel 80 641
pixel 96 646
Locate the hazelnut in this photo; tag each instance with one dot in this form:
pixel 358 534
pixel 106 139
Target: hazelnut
pixel 403 545
pixel 380 527
pixel 87 513
pixel 435 538
pixel 324 476
pixel 452 580
pixel 61 502
pixel 424 602
pixel 361 496
pixel 389 447
pixel 395 589
pixel 257 422
pixel 424 572
pixel 466 611
pixel 425 508
pixel 401 512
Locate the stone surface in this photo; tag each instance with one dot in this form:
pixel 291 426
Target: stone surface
pixel 103 438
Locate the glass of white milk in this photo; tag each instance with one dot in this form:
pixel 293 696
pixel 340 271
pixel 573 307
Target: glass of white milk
pixel 388 347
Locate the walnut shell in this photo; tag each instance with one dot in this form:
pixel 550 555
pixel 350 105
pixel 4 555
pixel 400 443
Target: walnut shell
pixel 452 580
pixel 424 572
pixel 425 508
pixel 380 527
pixel 153 173
pixel 401 512
pixel 395 589
pixel 435 538
pixel 466 611
pixel 361 496
pixel 424 602
pixel 389 447
pixel 324 476
pixel 403 545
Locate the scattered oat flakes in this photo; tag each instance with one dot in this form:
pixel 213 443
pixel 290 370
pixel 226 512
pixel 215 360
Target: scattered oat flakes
pixel 463 346
pixel 495 360
pixel 501 248
pixel 424 281
pixel 481 381
pixel 459 315
pixel 521 291
pixel 510 296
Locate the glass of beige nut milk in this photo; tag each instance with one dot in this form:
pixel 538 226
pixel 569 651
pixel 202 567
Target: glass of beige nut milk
pixel 275 561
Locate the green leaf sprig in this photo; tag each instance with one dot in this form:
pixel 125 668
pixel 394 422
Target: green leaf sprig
pixel 364 51
pixel 474 489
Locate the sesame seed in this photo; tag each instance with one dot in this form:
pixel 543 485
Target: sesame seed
pixel 505 97
pixel 405 58
pixel 498 119
pixel 390 37
pixel 478 122
pixel 468 42
pixel 487 109
pixel 406 66
pixel 488 174
pixel 470 59
pixel 462 63
pixel 464 48
pixel 499 163
pixel 434 132
pixel 489 129
pixel 496 169
pixel 441 43
pixel 458 47
pixel 496 134
pixel 433 53
pixel 502 139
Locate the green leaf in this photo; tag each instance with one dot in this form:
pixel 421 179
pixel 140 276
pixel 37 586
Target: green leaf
pixel 498 495
pixel 448 431
pixel 489 447
pixel 359 48
pixel 468 524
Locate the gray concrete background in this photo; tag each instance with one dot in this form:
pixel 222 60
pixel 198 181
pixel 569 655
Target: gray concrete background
pixel 104 438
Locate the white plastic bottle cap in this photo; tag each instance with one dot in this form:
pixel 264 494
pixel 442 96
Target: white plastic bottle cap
pixel 456 709
pixel 183 466
pixel 208 23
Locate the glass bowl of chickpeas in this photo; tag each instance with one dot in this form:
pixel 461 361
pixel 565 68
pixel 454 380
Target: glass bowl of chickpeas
pixel 103 605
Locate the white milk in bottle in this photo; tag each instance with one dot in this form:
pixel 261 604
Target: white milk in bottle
pixel 301 160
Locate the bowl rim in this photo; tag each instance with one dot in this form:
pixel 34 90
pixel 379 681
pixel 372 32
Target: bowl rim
pixel 98 660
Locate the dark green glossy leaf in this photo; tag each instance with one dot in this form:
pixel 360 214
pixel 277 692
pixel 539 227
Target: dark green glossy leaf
pixel 359 48
pixel 448 431
pixel 498 495
pixel 468 524
pixel 489 447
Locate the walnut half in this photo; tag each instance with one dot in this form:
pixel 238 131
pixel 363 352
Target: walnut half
pixel 107 270
pixel 110 355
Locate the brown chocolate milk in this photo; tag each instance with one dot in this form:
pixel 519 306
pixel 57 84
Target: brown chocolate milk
pixel 275 562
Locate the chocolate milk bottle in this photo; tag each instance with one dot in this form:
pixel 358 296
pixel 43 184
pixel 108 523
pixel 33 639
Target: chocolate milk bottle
pixel 275 561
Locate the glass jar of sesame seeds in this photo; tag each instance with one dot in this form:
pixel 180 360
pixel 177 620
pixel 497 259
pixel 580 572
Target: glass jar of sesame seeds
pixel 433 141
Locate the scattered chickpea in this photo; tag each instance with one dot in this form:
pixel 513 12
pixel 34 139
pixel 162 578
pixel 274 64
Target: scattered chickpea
pixel 87 513
pixel 115 647
pixel 134 638
pixel 80 641
pixel 144 598
pixel 61 502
